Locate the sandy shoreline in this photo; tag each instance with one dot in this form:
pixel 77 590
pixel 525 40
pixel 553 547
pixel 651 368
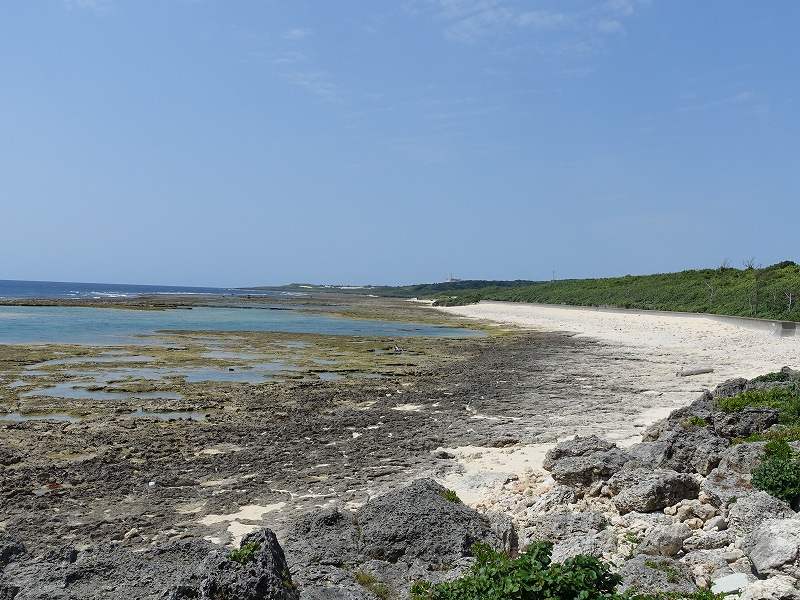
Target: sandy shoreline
pixel 648 351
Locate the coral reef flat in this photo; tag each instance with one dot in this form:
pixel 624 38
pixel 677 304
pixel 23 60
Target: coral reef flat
pixel 476 414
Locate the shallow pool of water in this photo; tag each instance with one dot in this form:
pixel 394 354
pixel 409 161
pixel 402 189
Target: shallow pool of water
pixel 46 417
pixel 236 376
pixel 77 392
pixel 114 326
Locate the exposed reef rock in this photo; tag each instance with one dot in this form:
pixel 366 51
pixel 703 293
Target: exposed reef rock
pixel 675 513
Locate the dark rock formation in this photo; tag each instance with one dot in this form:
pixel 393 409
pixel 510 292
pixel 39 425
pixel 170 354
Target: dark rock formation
pixel 689 450
pixel 395 539
pixel 730 388
pixel 418 522
pixel 702 408
pixel 325 537
pixel 264 576
pixel 10 549
pixel 107 571
pixel 741 424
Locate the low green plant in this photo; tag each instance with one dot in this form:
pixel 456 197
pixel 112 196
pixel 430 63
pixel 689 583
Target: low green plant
pixel 779 477
pixel 785 399
pixel 779 449
pixel 449 495
pixel 771 377
pixel 244 554
pixel 673 575
pixel 531 576
pixel 372 584
pixel 693 422
pixel 788 433
pixel 632 538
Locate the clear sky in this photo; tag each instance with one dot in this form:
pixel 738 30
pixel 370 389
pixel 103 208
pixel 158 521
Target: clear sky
pixel 239 142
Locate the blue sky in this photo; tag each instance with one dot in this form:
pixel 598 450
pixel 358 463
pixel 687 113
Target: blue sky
pixel 239 142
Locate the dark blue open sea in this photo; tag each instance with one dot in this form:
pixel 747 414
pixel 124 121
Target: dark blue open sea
pixel 64 289
pixel 113 326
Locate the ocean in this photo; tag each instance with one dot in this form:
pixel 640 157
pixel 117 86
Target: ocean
pixel 114 326
pixel 11 289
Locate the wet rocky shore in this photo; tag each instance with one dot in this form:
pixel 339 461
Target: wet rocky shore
pixel 263 454
pixel 110 506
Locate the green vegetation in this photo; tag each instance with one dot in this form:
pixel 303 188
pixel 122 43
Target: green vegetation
pixel 771 292
pixel 777 376
pixel 787 433
pixel 449 495
pixel 372 584
pixel 779 472
pixel 673 575
pixel 785 399
pixel 693 422
pixel 531 576
pixel 244 554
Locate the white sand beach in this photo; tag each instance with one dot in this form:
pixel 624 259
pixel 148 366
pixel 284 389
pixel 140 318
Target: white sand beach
pixel 645 351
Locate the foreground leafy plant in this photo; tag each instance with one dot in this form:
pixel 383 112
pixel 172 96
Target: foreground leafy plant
pixel 244 554
pixel 787 433
pixel 785 399
pixel 772 377
pixel 532 576
pixel 495 576
pixel 778 474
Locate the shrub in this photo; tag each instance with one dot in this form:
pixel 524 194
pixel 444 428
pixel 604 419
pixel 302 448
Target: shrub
pixel 785 399
pixel 245 554
pixel 787 433
pixel 530 576
pixel 771 377
pixel 780 477
pixel 778 449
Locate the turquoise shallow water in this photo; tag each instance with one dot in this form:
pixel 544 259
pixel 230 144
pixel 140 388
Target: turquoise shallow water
pixel 103 326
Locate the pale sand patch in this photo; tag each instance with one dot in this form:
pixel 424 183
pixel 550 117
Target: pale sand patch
pixel 485 469
pixel 665 342
pixel 408 407
pixel 236 529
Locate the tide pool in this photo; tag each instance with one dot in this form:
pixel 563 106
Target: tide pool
pixel 112 326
